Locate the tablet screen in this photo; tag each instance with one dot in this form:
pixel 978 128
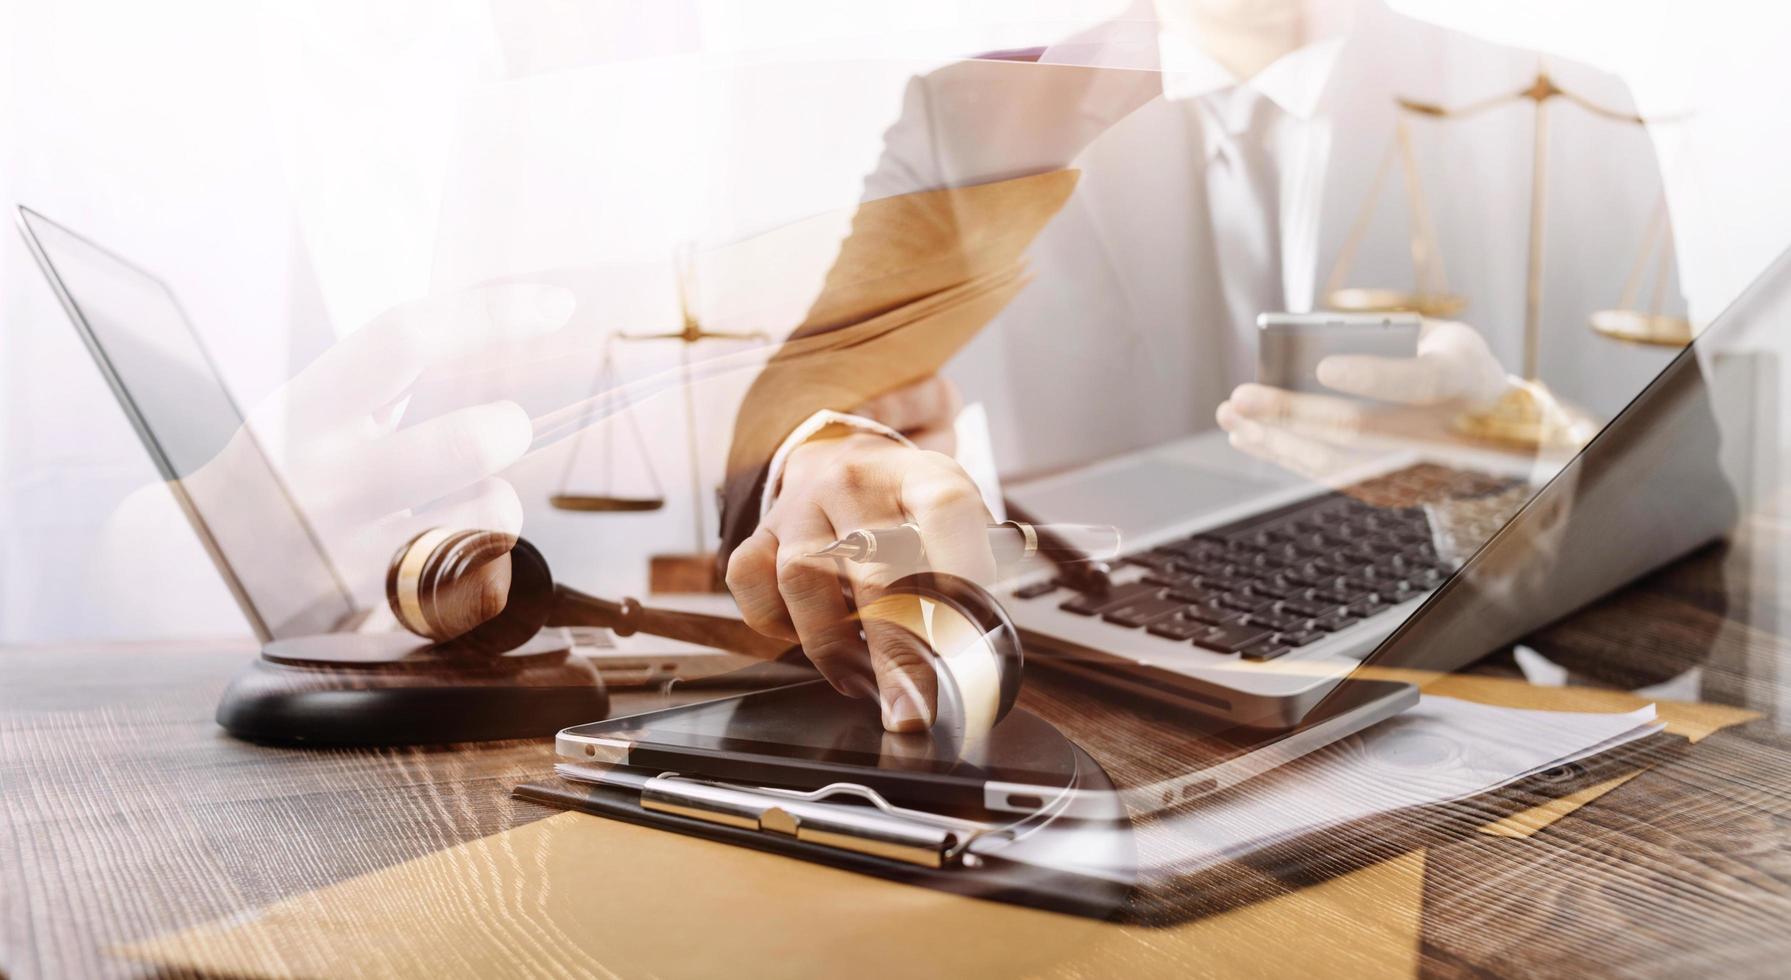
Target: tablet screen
pixel 811 726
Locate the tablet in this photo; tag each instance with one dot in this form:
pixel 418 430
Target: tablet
pixel 806 736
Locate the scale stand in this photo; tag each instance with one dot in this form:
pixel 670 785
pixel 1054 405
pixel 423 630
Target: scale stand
pixel 605 500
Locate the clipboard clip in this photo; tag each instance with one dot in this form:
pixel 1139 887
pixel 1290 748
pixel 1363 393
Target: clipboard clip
pixel 880 830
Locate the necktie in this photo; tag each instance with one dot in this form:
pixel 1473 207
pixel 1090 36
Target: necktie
pixel 1243 205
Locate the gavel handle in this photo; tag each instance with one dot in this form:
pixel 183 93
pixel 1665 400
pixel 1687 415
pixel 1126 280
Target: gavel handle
pixel 574 608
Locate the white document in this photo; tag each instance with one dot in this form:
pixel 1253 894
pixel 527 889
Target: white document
pixel 1443 749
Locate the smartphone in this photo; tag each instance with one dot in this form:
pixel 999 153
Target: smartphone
pixel 1290 345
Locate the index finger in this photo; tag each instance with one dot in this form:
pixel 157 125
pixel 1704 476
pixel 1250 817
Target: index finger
pixel 810 589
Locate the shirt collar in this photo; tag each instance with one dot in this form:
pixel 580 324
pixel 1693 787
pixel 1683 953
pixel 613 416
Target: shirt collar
pixel 1295 82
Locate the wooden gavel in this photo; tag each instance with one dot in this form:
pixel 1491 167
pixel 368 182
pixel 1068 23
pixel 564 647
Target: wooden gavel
pixel 484 592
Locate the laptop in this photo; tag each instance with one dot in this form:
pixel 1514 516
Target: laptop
pixel 268 553
pixel 1248 593
pixel 254 530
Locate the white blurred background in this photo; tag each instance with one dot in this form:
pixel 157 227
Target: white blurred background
pixel 293 169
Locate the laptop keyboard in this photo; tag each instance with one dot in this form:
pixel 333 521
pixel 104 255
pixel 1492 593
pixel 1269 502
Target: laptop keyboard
pixel 1269 584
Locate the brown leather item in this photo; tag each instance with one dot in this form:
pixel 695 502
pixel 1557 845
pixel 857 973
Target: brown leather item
pixel 915 280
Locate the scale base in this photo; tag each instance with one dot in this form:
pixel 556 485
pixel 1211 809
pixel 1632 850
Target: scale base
pixel 393 689
pixel 684 573
pixel 1528 418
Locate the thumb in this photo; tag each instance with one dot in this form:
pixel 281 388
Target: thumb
pixel 1454 363
pixel 1420 380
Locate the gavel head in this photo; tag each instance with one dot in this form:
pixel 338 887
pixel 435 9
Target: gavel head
pixel 480 592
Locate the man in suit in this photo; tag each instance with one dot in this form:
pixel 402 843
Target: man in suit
pixel 1227 151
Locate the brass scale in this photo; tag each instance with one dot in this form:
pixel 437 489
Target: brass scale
pixel 1525 417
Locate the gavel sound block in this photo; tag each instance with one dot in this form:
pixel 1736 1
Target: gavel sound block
pixel 394 689
pixel 483 666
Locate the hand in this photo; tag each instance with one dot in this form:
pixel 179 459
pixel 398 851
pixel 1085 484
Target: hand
pixel 925 411
pixel 365 484
pixel 833 486
pixel 1320 436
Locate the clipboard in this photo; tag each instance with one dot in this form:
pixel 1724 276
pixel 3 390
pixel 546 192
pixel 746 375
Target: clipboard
pixel 1084 867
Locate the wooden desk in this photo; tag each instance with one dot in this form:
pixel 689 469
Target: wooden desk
pixel 125 812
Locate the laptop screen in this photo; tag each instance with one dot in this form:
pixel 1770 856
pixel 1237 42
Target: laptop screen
pixel 177 402
pixel 1653 485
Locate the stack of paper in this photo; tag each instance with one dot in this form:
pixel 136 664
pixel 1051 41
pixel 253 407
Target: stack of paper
pixel 1444 749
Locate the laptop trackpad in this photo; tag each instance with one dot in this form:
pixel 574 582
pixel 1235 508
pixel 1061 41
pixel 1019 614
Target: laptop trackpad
pixel 1137 495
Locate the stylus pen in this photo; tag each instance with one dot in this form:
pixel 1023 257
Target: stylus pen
pixel 775 673
pixel 1011 541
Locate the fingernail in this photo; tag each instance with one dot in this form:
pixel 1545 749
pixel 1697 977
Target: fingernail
pixel 855 685
pixel 1247 399
pixel 1336 374
pixel 555 304
pixel 385 420
pixel 901 714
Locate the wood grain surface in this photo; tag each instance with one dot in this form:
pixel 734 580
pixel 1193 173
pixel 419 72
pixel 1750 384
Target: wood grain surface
pixel 126 813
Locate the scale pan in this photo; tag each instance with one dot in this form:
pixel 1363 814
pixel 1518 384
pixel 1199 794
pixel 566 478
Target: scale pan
pixel 604 505
pixel 1369 299
pixel 1637 327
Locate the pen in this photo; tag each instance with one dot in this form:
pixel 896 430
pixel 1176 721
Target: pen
pixel 1011 541
pixel 771 673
